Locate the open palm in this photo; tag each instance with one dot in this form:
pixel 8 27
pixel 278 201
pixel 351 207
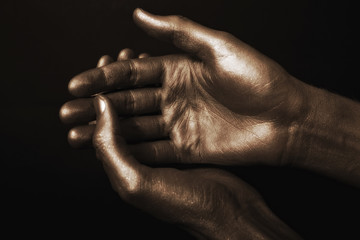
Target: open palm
pixel 224 103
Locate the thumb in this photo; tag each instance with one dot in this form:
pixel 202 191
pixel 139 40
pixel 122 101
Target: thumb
pixel 182 32
pixel 111 148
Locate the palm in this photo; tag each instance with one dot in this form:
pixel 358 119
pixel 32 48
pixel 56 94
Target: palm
pixel 207 125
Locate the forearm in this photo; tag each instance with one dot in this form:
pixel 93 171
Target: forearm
pixel 328 140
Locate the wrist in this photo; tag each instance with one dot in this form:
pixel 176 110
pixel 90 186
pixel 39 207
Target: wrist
pixel 258 222
pixel 327 138
pixel 297 111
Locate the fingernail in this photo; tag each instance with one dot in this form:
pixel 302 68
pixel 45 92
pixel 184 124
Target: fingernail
pixel 100 104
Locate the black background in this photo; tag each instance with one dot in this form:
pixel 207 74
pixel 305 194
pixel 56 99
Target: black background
pixel 49 189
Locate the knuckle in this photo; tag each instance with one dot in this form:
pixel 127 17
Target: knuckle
pixel 225 36
pixel 97 142
pixel 178 155
pixel 177 25
pixel 131 188
pixel 160 126
pixel 134 189
pixel 129 102
pixel 178 19
pixel 155 151
pixel 135 124
pixel 223 39
pixel 158 97
pixel 106 75
pixel 133 73
pixel 102 141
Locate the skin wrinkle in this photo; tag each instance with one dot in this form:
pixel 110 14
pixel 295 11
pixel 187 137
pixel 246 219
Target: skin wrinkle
pixel 194 101
pixel 240 128
pixel 133 73
pixel 130 103
pixel 185 133
pixel 192 133
pixel 107 76
pixel 192 126
pixel 177 136
pixel 191 202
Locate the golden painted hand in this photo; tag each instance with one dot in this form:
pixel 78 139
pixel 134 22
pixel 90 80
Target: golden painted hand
pixel 222 103
pixel 209 203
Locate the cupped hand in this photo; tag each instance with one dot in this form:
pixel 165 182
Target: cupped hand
pixel 209 203
pixel 223 102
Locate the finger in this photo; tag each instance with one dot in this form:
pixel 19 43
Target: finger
pixel 136 129
pixel 129 102
pixel 126 54
pixel 118 75
pixel 156 153
pixel 182 32
pixel 112 150
pixel 104 60
pixel 144 55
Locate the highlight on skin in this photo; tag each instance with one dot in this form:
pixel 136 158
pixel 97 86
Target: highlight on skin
pixel 222 102
pixel 209 203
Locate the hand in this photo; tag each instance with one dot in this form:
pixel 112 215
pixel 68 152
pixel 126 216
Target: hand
pixel 209 203
pixel 223 103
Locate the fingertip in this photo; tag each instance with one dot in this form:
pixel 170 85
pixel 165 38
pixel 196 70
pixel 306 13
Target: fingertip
pixel 106 115
pixel 126 54
pixel 73 138
pixel 74 86
pixel 138 12
pixel 86 83
pixel 144 55
pixel 145 19
pixel 81 136
pixel 104 60
pixel 65 113
pixel 182 32
pixel 100 104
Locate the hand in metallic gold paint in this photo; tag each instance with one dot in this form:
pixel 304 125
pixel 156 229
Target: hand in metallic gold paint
pixel 209 203
pixel 222 103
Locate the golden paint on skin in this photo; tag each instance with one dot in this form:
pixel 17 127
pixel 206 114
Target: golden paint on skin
pixel 228 135
pixel 116 156
pixel 252 135
pixel 124 168
pixel 237 67
pixel 130 176
pixel 65 112
pixel 73 134
pixel 102 106
pixel 152 21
